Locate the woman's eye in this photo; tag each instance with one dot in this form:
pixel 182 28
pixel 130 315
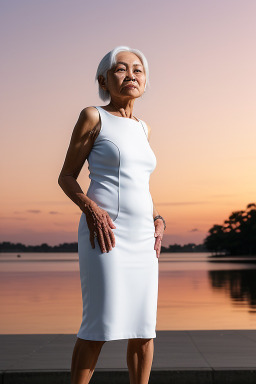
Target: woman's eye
pixel 123 69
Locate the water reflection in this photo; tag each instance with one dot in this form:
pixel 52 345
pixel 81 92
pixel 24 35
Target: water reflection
pixel 240 285
pixel 42 293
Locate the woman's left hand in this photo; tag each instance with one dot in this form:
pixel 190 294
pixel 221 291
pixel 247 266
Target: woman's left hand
pixel 159 233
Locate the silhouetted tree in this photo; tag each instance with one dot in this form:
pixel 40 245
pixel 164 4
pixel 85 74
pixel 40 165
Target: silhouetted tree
pixel 237 236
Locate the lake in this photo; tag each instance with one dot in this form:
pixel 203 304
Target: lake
pixel 41 293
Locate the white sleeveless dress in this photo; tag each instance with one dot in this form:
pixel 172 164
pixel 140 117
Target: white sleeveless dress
pixel 120 288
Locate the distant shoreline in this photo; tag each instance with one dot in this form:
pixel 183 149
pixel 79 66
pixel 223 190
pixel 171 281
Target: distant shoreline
pixel 9 247
pixel 21 258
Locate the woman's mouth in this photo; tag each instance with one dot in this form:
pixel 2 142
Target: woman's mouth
pixel 129 86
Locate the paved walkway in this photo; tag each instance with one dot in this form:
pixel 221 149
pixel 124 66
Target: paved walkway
pixel 191 357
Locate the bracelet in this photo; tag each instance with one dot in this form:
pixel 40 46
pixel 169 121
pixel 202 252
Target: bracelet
pixel 160 217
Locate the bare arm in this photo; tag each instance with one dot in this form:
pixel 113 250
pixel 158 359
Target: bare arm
pixel 155 213
pixel 159 225
pixel 81 143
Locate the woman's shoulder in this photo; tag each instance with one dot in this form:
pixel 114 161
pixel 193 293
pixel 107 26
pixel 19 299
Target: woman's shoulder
pixel 90 113
pixel 88 122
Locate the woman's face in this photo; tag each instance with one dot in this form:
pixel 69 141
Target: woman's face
pixel 127 78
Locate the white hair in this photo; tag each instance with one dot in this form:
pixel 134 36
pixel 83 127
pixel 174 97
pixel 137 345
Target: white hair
pixel 110 59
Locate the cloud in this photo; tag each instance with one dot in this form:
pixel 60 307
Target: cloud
pixel 55 213
pixel 33 210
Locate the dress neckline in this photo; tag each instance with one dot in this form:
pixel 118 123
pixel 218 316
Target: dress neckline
pixel 119 117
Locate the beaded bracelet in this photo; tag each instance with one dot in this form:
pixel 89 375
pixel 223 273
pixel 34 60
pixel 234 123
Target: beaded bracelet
pixel 160 217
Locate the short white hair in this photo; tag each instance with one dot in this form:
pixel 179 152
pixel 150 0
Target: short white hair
pixel 110 59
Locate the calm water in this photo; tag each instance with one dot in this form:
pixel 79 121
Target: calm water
pixel 41 293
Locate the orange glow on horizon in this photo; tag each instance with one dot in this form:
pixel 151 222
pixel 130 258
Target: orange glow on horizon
pixel 200 106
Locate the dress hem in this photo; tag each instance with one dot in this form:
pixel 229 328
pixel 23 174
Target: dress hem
pixel 117 337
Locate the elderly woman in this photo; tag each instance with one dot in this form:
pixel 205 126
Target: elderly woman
pixel 120 230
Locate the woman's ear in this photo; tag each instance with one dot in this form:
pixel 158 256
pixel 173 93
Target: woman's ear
pixel 102 82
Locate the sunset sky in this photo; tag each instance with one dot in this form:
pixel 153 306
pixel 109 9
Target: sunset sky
pixel 200 106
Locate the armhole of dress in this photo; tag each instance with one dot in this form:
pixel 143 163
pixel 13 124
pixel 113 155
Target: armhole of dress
pixel 98 109
pixel 146 131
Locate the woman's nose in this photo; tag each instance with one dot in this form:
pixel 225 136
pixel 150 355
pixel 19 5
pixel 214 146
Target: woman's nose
pixel 130 74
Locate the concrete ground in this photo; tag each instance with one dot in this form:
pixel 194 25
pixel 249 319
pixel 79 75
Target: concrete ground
pixel 191 357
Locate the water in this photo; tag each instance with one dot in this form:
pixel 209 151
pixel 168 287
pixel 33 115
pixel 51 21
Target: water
pixel 41 293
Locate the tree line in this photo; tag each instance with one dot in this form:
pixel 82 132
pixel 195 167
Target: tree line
pixel 237 236
pixel 73 247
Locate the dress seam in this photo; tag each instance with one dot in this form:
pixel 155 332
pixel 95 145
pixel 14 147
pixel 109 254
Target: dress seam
pixel 118 204
pixel 144 129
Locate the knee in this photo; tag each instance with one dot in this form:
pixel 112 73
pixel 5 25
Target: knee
pixel 141 344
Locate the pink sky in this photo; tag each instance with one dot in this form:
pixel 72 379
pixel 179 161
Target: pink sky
pixel 200 106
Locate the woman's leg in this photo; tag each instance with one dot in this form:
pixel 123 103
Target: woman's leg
pixel 84 359
pixel 139 359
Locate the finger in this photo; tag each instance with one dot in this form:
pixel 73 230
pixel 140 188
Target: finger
pixel 107 237
pixel 101 240
pixel 107 240
pixel 112 238
pixel 92 239
pixel 158 247
pixel 157 252
pixel 110 222
pixel 157 241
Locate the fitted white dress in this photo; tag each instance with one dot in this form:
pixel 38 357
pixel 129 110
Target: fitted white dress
pixel 120 288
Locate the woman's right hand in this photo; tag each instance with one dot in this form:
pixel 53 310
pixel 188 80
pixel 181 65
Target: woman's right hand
pixel 99 221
